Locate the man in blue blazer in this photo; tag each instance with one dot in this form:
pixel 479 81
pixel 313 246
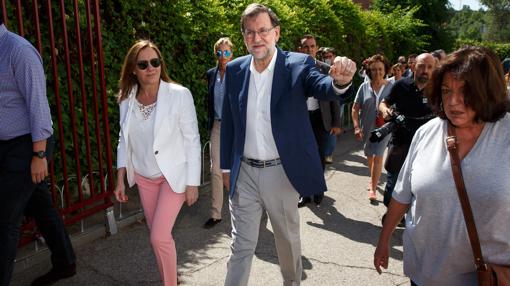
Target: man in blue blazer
pixel 267 141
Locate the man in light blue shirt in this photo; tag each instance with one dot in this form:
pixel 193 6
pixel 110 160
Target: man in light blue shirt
pixel 216 84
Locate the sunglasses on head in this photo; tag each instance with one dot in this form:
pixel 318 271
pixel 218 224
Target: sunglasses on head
pixel 225 53
pixel 155 62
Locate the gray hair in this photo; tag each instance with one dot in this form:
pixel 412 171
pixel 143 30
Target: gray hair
pixel 254 10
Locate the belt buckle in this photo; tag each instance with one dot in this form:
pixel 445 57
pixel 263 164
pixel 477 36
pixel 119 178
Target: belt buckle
pixel 264 164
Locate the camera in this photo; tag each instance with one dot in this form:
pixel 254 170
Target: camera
pixel 396 120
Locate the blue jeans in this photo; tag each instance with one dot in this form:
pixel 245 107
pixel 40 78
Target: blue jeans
pixel 391 180
pixel 329 144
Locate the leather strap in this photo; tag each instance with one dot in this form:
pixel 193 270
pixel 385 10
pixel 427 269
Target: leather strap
pixel 451 142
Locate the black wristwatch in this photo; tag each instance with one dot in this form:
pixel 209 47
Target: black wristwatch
pixel 339 86
pixel 39 154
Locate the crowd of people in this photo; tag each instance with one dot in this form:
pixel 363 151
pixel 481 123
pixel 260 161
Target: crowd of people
pixel 407 111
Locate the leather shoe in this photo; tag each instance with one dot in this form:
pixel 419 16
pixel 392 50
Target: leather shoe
pixel 317 198
pixel 303 201
pixel 402 222
pixel 54 275
pixel 211 222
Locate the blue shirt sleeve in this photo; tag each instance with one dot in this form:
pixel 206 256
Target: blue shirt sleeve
pixel 31 82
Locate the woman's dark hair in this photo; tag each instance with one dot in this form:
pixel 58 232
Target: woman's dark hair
pixel 484 89
pixel 377 58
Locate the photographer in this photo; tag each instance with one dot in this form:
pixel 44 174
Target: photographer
pixel 408 99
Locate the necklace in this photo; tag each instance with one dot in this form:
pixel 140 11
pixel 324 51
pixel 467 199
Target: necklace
pixel 146 110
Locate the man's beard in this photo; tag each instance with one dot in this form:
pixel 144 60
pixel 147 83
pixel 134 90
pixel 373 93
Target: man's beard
pixel 422 79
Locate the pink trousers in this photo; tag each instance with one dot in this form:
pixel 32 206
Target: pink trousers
pixel 161 205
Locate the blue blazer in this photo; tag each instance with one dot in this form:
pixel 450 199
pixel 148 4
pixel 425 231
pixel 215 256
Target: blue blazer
pixel 295 78
pixel 211 80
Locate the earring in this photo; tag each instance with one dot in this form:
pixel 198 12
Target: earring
pixel 441 107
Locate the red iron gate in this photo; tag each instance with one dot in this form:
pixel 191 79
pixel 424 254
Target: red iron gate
pixel 81 173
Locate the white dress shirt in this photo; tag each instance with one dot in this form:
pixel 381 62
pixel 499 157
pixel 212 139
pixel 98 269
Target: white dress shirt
pixel 312 103
pixel 259 143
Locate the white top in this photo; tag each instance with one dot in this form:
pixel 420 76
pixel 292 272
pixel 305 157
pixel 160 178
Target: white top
pixel 259 143
pixel 141 130
pixel 436 243
pixel 175 143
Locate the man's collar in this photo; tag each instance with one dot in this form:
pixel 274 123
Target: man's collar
pixel 269 68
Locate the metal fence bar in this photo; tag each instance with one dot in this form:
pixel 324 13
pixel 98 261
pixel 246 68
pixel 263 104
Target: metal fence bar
pixel 19 13
pixel 76 195
pixel 83 97
pixel 106 126
pixel 58 100
pixel 70 94
pixel 95 106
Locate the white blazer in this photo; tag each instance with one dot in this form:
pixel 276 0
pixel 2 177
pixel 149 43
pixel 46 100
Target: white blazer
pixel 176 138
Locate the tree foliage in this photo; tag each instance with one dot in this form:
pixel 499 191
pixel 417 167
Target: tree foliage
pixel 435 14
pixel 498 20
pixel 467 24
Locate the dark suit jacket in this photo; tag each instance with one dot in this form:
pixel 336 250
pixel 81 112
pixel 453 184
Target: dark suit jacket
pixel 211 79
pixel 330 109
pixel 295 78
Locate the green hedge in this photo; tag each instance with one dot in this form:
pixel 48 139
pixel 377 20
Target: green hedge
pixel 185 31
pixel 501 49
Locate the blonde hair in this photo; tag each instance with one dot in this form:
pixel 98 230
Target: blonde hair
pixel 223 41
pixel 127 78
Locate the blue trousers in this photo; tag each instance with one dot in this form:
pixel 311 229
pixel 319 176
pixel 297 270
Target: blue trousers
pixel 329 144
pixel 391 180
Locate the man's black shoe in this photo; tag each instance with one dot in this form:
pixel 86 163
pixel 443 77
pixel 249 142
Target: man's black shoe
pixel 54 275
pixel 402 222
pixel 317 198
pixel 303 201
pixel 211 222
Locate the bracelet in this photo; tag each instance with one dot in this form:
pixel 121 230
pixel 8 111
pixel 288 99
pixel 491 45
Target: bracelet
pixel 341 86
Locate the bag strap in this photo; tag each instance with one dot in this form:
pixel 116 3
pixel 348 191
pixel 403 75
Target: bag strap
pixel 451 143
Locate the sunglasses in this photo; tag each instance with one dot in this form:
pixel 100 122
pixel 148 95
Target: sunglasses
pixel 142 65
pixel 225 53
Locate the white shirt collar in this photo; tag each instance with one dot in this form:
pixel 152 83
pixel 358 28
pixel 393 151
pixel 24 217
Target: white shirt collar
pixel 269 68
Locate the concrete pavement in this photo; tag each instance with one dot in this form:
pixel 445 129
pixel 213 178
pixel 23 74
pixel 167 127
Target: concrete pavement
pixel 338 241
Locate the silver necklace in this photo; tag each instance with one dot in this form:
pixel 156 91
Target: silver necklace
pixel 146 110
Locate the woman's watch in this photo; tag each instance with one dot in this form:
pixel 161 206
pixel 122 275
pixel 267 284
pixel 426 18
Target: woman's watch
pixel 39 154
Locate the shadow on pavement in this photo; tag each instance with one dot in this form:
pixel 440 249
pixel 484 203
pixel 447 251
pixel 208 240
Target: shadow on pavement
pixel 355 230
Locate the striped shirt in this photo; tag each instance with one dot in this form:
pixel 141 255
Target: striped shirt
pixel 24 106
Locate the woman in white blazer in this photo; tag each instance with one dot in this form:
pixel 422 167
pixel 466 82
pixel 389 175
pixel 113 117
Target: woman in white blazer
pixel 159 148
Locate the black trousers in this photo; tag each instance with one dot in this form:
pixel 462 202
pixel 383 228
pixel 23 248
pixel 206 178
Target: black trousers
pixel 318 132
pixel 50 224
pixel 48 220
pixel 19 195
pixel 16 188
